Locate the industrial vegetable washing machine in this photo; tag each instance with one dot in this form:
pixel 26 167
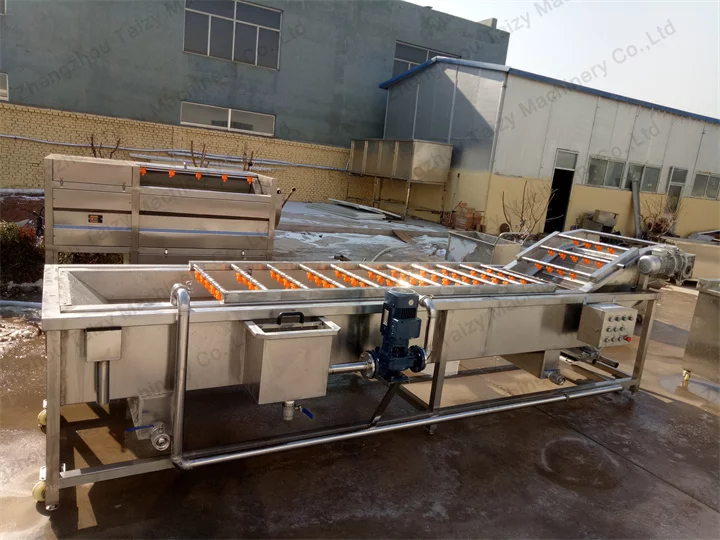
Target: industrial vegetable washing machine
pixel 157 213
pixel 281 337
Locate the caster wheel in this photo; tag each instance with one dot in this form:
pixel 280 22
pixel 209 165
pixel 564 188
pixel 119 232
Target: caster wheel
pixel 42 418
pixel 38 491
pixel 431 429
pixel 556 377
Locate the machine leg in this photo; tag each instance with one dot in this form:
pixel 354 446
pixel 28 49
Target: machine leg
pixel 643 345
pixel 440 362
pixel 52 429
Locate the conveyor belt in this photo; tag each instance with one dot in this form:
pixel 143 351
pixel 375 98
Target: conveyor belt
pixel 259 281
pixel 577 260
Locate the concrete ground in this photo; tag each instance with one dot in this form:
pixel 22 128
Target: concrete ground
pixel 609 466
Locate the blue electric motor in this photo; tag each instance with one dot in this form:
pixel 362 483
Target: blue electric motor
pixel 399 325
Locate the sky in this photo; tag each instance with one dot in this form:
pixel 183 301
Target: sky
pixel 663 52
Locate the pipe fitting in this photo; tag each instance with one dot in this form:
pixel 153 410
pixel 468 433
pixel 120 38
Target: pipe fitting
pixel 288 411
pixel 366 367
pixel 159 437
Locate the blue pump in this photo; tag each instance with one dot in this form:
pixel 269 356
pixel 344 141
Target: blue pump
pixel 399 325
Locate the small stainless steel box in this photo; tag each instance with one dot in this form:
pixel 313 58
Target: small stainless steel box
pixel 286 362
pixel 604 325
pixel 103 345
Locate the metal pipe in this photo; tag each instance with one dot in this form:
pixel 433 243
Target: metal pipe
pixel 222 458
pixel 180 297
pixel 321 276
pixel 558 267
pixel 603 235
pixel 455 272
pixel 20 303
pixel 352 367
pixel 386 277
pixel 286 276
pixel 437 274
pixel 353 276
pixel 498 272
pixel 102 382
pixel 22 192
pixel 247 276
pixel 409 274
pixel 427 303
pixel 592 257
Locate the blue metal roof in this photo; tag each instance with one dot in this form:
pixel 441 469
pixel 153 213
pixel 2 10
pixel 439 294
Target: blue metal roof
pixel 549 80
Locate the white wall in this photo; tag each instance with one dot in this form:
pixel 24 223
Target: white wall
pixel 539 118
pixel 709 157
pixel 521 135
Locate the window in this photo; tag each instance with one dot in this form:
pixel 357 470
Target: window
pixel 4 90
pixel 3 7
pixel 565 160
pixel 233 30
pixel 676 184
pixel 408 56
pixel 649 177
pixel 603 172
pixel 677 176
pixel 194 114
pixel 706 186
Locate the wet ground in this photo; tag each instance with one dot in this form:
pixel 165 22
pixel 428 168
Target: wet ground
pixel 609 466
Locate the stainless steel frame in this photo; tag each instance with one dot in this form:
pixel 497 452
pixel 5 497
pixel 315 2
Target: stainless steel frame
pixel 168 315
pixel 414 161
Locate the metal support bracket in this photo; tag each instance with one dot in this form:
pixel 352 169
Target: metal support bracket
pixel 387 398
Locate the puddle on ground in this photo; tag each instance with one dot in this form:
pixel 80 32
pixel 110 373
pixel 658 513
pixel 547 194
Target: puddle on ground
pixel 576 463
pixel 696 391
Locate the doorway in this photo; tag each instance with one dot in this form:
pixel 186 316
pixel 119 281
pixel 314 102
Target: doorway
pixel 562 183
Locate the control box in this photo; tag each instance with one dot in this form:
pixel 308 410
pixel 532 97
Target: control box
pixel 604 325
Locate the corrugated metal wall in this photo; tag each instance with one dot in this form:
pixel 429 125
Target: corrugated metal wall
pixel 448 103
pixel 539 118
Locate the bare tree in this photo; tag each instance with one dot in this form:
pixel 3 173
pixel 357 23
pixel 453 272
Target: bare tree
pixel 659 215
pixel 203 162
pixel 522 216
pixel 97 151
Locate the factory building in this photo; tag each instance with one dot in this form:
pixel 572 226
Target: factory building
pixel 300 71
pixel 510 128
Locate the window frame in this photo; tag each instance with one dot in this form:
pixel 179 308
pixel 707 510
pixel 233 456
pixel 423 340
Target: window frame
pixel 427 55
pixel 671 172
pixel 557 152
pixel 704 195
pixel 234 20
pixel 6 97
pixel 608 168
pixel 229 120
pixel 645 166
